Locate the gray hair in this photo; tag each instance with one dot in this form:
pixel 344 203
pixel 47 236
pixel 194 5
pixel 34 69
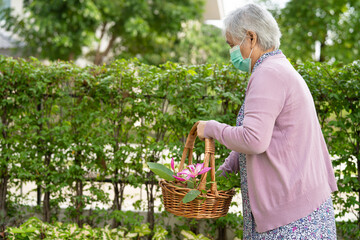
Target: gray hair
pixel 252 17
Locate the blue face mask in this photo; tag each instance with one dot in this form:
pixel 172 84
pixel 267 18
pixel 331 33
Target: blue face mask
pixel 238 61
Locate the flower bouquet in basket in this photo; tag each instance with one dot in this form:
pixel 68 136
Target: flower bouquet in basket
pixel 185 193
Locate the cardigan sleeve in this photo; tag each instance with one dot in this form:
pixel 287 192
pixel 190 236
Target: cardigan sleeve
pixel 264 101
pixel 231 163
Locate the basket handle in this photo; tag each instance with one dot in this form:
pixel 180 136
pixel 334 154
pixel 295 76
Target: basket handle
pixel 209 154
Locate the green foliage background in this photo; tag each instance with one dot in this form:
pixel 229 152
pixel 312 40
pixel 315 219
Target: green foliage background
pixel 68 129
pixel 158 31
pixel 59 123
pixel 61 29
pixel 331 23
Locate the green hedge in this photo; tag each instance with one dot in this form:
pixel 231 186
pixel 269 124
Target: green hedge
pixel 34 229
pixel 61 122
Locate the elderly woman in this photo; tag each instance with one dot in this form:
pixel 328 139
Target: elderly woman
pixel 277 144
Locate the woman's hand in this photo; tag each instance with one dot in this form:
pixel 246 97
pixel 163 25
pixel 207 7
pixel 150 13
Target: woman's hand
pixel 201 129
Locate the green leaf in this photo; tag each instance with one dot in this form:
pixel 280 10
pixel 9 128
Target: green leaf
pixel 188 234
pixel 192 72
pixel 142 230
pixel 16 230
pixel 160 233
pixel 161 171
pixel 190 184
pixel 191 195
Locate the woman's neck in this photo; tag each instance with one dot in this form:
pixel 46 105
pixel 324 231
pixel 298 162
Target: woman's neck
pixel 257 53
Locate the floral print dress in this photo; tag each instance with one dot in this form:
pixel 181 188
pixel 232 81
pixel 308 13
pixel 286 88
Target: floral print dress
pixel 320 224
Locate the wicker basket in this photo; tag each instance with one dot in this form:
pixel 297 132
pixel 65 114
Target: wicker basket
pixel 214 204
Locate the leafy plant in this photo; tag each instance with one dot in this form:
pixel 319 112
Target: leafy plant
pixel 192 236
pixel 33 228
pixel 152 25
pixel 189 175
pixel 227 181
pixel 347 230
pixel 160 233
pixel 128 219
pixel 113 119
pixel 232 221
pixel 161 171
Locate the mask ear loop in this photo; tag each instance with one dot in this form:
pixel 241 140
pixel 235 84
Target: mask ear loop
pixel 240 45
pixel 242 41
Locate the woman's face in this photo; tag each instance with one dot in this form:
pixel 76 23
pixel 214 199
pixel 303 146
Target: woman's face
pixel 244 47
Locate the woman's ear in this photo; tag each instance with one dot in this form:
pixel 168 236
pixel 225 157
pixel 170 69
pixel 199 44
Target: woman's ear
pixel 253 38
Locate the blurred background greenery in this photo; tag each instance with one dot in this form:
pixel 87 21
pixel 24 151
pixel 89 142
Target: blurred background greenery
pixel 190 32
pixel 156 31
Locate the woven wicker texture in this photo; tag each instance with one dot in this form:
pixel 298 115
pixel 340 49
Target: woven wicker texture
pixel 214 204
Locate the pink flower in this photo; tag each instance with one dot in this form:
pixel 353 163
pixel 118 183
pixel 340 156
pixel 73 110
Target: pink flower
pixel 179 178
pixel 194 171
pixel 184 172
pixel 198 169
pixel 173 164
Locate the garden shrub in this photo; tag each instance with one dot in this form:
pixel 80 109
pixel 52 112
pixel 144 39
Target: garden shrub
pixel 68 128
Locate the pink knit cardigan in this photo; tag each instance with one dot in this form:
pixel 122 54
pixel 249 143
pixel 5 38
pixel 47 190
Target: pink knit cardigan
pixel 289 170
